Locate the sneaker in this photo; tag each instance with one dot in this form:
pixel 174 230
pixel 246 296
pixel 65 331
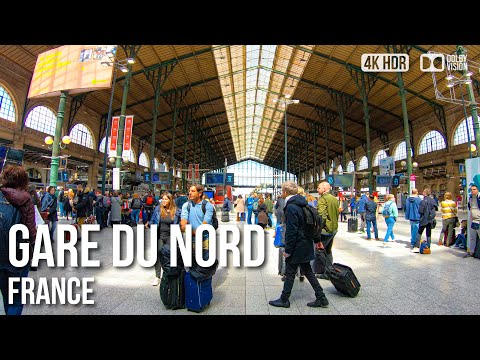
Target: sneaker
pixel 468 255
pixel 415 249
pixel 377 239
pixel 319 302
pixel 280 303
pixel 156 281
pixel 369 238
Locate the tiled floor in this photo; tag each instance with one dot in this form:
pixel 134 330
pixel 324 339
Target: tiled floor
pixel 394 281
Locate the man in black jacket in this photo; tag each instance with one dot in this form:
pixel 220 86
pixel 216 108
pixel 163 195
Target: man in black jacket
pixel 298 249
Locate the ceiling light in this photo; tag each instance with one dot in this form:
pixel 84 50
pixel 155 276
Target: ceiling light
pixel 449 85
pixel 288 96
pixel 131 60
pixel 469 73
pixel 449 77
pixel 468 82
pixel 123 69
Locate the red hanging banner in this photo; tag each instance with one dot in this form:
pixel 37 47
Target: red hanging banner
pixel 127 136
pixel 114 136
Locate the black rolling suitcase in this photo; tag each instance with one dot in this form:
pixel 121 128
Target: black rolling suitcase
pixel 172 290
pixel 225 216
pixel 342 277
pixel 353 223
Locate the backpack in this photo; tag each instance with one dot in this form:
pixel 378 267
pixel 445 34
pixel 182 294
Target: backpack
pixel 204 209
pixel 313 223
pixel 136 203
pixel 149 200
pixel 255 206
pixel 10 216
pixel 386 211
pixel 262 217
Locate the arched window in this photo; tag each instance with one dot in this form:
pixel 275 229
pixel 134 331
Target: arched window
pixel 82 135
pixel 310 177
pixel 363 163
pixel 7 107
pixel 133 157
pixel 432 141
pixel 323 175
pixel 350 166
pixel 156 164
pixel 380 155
pixel 101 148
pixel 143 160
pixel 401 151
pixel 165 166
pixel 461 136
pixel 340 169
pixel 42 119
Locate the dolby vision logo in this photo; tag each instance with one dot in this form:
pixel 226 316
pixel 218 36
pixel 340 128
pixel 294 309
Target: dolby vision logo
pixel 428 63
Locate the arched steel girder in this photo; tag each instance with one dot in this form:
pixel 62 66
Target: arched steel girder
pixel 356 68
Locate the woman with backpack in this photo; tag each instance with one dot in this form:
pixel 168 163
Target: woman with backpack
pixel 262 213
pixel 390 214
pixel 16 207
pixel 136 206
pixel 164 215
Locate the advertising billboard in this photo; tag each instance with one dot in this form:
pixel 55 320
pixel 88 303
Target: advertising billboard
pixel 76 68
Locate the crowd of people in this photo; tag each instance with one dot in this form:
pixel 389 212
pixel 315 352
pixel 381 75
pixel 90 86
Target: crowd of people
pixel 21 203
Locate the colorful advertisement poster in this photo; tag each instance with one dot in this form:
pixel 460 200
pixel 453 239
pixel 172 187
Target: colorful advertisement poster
pixel 387 166
pixel 72 68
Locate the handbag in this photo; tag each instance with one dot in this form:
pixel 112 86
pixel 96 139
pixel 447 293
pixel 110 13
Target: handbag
pixel 434 224
pixel 44 215
pixel 475 225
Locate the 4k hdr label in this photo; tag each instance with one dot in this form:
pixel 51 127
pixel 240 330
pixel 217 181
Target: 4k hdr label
pixel 385 62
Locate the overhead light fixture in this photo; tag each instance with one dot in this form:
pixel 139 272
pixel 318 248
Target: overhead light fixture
pixel 288 96
pixel 449 77
pixel 469 73
pixel 123 68
pixel 467 82
pixel 449 85
pixel 131 60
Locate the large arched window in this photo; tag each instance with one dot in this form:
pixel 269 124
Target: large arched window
pixel 432 141
pixel 461 136
pixel 350 166
pixel 401 151
pixel 164 166
pixel 143 160
pixel 42 119
pixel 133 157
pixel 156 164
pixel 340 169
pixel 101 148
pixel 7 107
pixel 82 135
pixel 323 175
pixel 380 155
pixel 363 163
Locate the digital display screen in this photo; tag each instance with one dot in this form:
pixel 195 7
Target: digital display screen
pixel 209 193
pixel 345 180
pixel 217 179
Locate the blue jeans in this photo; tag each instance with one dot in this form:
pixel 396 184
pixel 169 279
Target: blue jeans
pixel 414 231
pixel 7 271
pixel 270 216
pixel 249 216
pixel 375 228
pixel 135 214
pixel 52 226
pixel 390 222
pixel 61 205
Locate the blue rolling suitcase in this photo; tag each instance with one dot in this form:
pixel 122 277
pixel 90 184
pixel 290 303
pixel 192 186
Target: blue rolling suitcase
pixel 198 294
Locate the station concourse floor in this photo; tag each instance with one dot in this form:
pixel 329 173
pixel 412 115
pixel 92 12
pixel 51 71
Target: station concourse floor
pixel 393 281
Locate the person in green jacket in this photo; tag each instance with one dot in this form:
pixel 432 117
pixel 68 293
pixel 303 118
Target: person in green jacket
pixel 269 203
pixel 328 209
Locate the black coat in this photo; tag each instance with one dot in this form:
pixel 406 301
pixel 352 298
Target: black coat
pixel 371 210
pixel 82 204
pixel 52 209
pixel 427 207
pixel 296 244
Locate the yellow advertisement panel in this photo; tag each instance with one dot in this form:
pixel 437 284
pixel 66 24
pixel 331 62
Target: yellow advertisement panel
pixel 76 68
